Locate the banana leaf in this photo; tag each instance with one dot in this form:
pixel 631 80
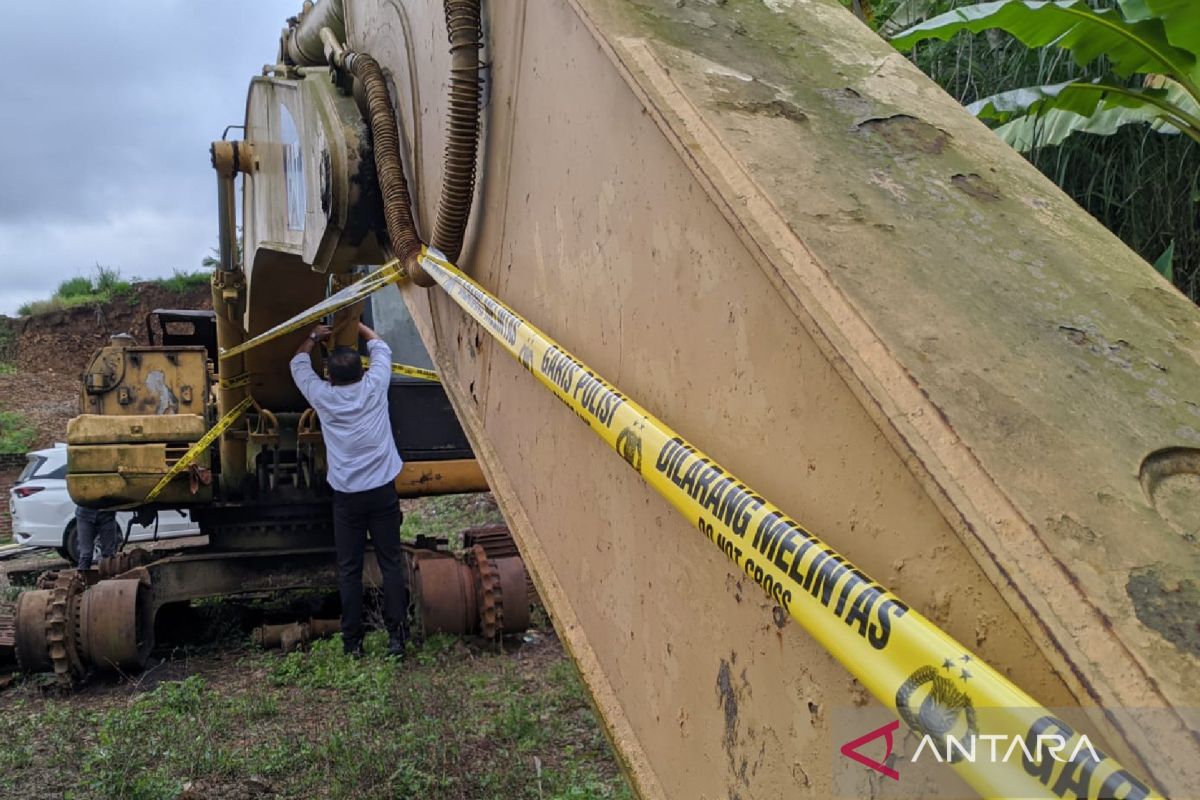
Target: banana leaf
pixel 1180 19
pixel 1043 116
pixel 1131 47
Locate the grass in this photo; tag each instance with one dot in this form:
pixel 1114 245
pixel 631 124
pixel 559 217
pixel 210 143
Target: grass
pixel 16 434
pixel 182 282
pixel 449 722
pixel 447 516
pixel 105 286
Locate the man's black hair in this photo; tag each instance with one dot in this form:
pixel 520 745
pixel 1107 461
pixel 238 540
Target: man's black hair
pixel 345 366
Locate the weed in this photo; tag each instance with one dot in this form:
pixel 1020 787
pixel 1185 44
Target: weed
pixel 16 434
pixel 182 282
pixel 105 285
pixel 447 516
pixel 449 722
pixel 75 287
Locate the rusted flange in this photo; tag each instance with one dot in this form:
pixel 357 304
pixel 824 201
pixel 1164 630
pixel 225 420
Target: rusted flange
pixel 514 589
pixel 116 625
pixel 445 594
pixel 33 655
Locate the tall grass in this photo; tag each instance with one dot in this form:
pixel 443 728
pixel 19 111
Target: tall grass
pixel 1142 185
pixel 103 286
pixel 106 285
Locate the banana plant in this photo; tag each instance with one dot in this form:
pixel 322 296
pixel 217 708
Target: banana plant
pixel 1152 48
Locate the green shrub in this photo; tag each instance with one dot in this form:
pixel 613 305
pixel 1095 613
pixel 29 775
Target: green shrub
pixel 182 282
pixel 16 434
pixel 78 286
pixel 102 287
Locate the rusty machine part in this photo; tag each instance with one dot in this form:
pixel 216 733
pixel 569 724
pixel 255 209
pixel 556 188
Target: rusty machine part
pixel 103 618
pixel 115 624
pixel 8 636
pixel 120 563
pixel 63 628
pixel 489 593
pixel 473 595
pixel 294 635
pixel 497 541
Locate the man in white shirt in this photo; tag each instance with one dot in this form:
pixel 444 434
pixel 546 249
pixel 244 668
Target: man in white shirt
pixel 362 467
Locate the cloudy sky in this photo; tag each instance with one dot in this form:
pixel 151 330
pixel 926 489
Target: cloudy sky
pixel 107 112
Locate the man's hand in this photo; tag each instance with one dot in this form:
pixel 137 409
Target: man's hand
pixel 318 334
pixel 366 333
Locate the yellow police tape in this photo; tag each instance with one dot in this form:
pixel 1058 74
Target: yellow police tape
pixel 389 273
pixel 235 382
pixel 409 371
pixel 903 659
pixel 199 447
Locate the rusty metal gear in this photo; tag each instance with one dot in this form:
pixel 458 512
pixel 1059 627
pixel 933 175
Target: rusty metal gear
pixel 46 579
pixel 120 563
pixel 491 601
pixel 62 627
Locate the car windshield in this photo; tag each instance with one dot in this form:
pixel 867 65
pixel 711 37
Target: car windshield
pixel 31 467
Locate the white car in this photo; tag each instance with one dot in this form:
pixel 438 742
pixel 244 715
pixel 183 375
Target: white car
pixel 43 514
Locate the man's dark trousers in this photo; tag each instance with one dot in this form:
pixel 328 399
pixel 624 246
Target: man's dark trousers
pixel 355 513
pixel 92 525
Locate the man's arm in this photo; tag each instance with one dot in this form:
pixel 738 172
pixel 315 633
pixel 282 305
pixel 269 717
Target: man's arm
pixel 379 374
pixel 307 380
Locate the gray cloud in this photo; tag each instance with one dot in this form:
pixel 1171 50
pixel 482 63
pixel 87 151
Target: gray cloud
pixel 107 111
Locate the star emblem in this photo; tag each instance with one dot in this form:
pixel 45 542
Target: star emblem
pixel 966 676
pixel 947 664
pixel 965 658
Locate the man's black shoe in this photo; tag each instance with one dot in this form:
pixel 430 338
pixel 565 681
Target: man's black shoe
pixel 396 645
pixel 353 649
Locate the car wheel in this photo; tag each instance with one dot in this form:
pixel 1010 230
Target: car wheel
pixel 70 548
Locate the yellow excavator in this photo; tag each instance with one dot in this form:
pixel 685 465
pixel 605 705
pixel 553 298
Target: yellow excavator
pixel 897 362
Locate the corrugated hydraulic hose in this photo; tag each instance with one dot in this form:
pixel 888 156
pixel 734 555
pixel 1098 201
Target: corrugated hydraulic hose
pixel 462 133
pixel 393 186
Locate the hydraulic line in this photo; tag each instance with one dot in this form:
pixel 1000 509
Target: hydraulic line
pixel 393 186
pixel 314 40
pixel 462 133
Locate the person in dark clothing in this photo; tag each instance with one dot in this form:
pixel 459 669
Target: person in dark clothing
pixel 93 524
pixel 362 467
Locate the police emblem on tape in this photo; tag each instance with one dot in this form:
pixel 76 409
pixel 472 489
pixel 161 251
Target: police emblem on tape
pixel 629 445
pixel 933 706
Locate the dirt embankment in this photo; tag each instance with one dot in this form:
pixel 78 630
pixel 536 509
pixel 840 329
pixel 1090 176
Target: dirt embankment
pixel 51 350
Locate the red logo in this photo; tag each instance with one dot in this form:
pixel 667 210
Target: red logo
pixel 850 749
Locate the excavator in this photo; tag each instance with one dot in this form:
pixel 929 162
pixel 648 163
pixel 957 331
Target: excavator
pixel 864 317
